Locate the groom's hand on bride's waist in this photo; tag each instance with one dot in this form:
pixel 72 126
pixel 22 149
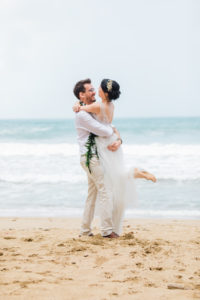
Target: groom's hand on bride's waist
pixel 115 145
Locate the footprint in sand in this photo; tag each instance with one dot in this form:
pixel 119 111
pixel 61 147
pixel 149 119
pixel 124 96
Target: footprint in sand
pixel 62 278
pixel 9 238
pixel 100 260
pixel 33 255
pixel 108 275
pixel 115 294
pixel 179 276
pixel 131 291
pixel 196 273
pixel 27 239
pixel 133 253
pixel 134 279
pixel 61 245
pixel 96 284
pixel 44 273
pixel 123 267
pixel 139 264
pixel 27 271
pixel 13 249
pixel 150 284
pixel 155 268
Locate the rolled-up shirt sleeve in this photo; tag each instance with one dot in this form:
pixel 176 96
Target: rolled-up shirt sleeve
pixel 87 122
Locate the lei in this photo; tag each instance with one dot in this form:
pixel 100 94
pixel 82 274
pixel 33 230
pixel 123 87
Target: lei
pixel 91 148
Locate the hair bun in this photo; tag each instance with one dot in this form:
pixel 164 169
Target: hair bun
pixel 113 95
pixel 112 88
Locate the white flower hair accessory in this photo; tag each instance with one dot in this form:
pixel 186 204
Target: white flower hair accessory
pixel 109 85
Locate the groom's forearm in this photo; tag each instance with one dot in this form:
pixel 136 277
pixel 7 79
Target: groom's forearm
pixel 87 122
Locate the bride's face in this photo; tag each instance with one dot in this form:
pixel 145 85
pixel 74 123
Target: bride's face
pixel 101 93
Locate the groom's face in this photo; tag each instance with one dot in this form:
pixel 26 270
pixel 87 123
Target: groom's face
pixel 89 94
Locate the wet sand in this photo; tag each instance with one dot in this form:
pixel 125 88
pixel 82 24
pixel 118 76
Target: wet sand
pixel 43 258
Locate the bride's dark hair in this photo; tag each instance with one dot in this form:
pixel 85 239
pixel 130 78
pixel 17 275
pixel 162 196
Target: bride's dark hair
pixel 112 88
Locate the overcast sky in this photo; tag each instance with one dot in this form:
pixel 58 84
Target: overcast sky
pixel 151 47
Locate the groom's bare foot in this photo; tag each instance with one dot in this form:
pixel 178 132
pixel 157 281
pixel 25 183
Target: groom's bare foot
pixel 143 174
pixel 113 235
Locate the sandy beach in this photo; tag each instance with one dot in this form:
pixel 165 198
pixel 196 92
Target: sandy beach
pixel 43 258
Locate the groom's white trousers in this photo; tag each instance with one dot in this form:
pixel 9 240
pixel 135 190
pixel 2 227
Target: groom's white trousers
pixel 96 186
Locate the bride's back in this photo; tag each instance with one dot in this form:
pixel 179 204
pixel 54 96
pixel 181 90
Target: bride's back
pixel 106 112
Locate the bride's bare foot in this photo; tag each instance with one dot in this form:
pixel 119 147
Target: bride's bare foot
pixel 149 176
pixel 143 174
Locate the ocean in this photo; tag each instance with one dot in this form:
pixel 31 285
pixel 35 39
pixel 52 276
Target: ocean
pixel 40 173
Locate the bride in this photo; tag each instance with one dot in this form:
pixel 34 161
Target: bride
pixel 119 180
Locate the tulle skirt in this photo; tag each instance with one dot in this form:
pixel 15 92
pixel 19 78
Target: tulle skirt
pixel 119 181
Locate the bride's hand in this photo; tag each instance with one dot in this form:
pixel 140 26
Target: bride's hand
pixel 76 107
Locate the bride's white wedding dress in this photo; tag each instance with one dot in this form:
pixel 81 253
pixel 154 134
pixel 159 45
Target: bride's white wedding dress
pixel 119 181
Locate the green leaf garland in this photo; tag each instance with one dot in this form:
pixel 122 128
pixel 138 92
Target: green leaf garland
pixel 91 149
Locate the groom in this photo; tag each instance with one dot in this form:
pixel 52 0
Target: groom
pixel 86 124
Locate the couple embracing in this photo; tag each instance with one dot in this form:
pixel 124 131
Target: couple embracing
pixel 102 158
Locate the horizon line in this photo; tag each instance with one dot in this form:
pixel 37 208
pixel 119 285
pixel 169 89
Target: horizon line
pixel 70 118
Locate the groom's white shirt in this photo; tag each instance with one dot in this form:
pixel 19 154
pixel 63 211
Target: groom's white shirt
pixel 85 124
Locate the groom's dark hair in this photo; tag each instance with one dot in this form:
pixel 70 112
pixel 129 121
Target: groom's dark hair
pixel 79 87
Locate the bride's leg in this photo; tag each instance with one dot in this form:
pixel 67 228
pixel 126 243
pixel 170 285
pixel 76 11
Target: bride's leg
pixel 143 174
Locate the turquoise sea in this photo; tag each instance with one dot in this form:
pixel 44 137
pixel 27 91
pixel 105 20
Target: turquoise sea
pixel 40 174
